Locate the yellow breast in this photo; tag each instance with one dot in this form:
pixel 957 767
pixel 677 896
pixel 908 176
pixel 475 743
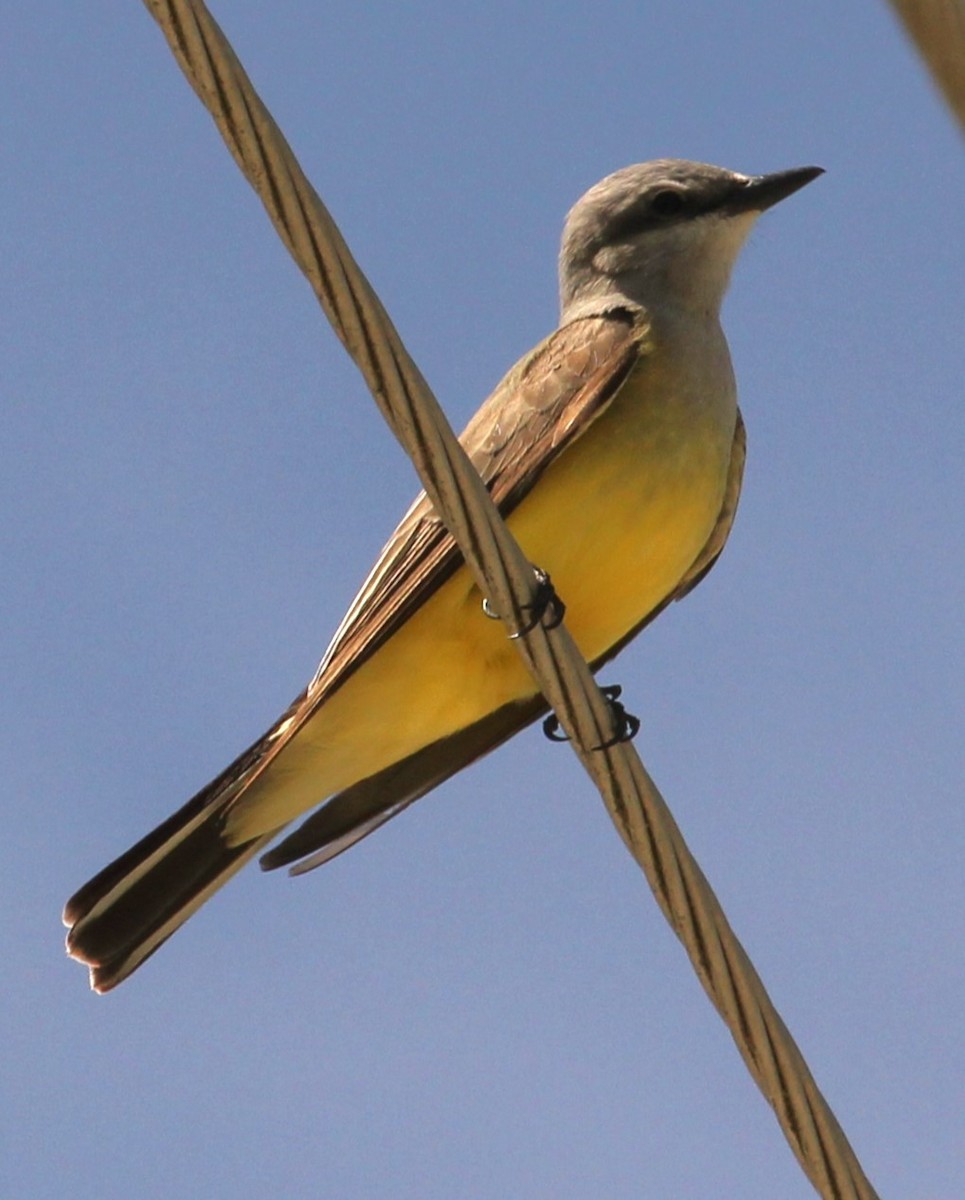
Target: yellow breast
pixel 617 521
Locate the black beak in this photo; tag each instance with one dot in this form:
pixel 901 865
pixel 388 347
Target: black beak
pixel 763 191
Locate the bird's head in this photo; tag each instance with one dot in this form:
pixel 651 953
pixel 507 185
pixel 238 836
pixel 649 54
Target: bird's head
pixel 663 233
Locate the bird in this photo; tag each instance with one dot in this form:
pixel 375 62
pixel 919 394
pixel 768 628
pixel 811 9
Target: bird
pixel 614 450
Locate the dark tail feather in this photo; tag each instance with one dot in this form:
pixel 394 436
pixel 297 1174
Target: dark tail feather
pixel 129 909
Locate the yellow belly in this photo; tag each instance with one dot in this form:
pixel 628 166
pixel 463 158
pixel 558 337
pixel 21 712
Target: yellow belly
pixel 616 521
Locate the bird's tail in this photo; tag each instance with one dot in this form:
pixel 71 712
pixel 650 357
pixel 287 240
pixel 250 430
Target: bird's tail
pixel 122 915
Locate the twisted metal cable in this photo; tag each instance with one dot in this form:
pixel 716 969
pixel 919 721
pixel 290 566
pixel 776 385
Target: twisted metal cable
pixel 503 574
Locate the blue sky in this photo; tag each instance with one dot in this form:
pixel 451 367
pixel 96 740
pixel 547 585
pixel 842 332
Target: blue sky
pixel 482 1000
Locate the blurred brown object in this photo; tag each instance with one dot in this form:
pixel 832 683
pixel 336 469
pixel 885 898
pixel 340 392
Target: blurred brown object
pixel 937 27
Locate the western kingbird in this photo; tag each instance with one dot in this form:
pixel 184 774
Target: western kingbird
pixel 615 450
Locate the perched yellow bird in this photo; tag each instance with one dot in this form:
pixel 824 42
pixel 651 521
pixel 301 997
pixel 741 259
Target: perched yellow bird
pixel 615 450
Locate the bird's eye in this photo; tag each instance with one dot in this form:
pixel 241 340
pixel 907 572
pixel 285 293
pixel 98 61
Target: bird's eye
pixel 667 203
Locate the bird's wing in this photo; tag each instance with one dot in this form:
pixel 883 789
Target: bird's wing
pixel 543 405
pixel 545 402
pixel 359 810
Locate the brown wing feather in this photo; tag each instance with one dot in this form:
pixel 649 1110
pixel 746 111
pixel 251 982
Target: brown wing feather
pixel 545 402
pixel 353 814
pixel 124 913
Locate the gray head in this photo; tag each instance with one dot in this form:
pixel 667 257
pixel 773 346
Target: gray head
pixel 661 233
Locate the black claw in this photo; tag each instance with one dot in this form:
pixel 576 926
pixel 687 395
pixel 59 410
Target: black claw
pixel 628 726
pixel 551 729
pixel 545 604
pixel 545 607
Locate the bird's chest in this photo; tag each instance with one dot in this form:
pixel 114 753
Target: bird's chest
pixel 622 515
